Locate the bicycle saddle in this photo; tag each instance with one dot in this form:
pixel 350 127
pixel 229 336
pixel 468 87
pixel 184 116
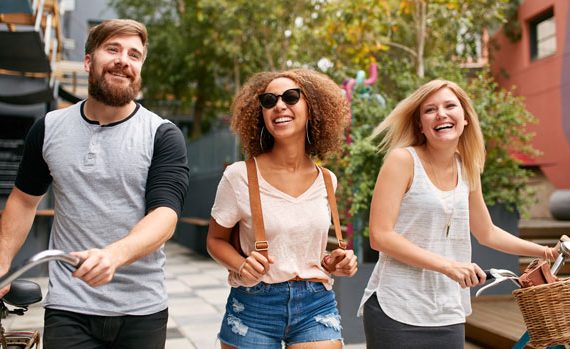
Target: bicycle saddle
pixel 23 293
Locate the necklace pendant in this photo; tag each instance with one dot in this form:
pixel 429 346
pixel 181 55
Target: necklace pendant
pixel 447 230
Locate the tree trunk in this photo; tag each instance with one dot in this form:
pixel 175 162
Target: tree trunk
pixel 269 57
pixel 181 7
pixel 284 54
pixel 199 106
pixel 237 75
pixel 420 15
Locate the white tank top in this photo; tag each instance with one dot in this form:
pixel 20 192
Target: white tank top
pixel 422 297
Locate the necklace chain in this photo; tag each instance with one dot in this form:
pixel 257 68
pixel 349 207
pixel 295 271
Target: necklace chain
pixel 447 226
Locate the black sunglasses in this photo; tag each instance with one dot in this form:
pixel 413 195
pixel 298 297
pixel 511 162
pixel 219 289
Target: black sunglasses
pixel 290 97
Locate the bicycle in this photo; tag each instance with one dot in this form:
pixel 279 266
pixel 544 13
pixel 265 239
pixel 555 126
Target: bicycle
pixel 24 293
pixel 551 321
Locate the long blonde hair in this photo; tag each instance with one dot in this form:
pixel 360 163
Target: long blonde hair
pixel 401 128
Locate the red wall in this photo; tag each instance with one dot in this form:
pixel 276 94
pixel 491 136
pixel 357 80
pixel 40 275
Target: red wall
pixel 543 84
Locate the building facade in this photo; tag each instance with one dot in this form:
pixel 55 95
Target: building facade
pixel 537 66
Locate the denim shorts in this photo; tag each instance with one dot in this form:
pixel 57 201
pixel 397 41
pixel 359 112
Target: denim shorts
pixel 267 315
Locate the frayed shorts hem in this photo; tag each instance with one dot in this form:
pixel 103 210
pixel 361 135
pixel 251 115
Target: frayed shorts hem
pixel 268 315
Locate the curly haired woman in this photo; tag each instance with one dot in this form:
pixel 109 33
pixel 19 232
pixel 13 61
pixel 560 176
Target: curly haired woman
pixel 285 121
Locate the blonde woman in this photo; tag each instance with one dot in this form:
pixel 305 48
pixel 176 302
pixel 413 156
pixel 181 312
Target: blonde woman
pixel 285 121
pixel 426 201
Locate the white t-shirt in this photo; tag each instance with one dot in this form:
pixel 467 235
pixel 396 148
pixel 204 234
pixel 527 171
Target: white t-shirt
pixel 295 227
pixel 416 296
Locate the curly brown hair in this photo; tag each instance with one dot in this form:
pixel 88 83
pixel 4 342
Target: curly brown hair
pixel 328 109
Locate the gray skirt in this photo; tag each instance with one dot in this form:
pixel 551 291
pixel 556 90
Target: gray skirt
pixel 383 332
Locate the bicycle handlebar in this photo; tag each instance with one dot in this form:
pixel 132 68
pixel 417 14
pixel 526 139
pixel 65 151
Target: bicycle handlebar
pixel 500 275
pixel 37 259
pixel 564 252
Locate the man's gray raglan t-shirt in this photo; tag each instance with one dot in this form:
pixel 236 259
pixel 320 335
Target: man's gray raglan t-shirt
pixel 104 180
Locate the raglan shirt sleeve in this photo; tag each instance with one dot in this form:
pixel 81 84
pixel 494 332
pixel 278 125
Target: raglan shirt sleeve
pixel 34 177
pixel 168 175
pixel 226 209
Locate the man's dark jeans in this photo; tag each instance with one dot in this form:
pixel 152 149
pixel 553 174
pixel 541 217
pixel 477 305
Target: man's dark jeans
pixel 68 330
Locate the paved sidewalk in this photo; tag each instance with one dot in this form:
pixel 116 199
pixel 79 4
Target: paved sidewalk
pixel 197 291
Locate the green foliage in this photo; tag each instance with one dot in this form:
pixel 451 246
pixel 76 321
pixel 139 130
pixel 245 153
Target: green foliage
pixel 389 36
pixel 182 62
pixel 513 27
pixel 371 29
pixel 360 161
pixel 200 51
pixel 503 121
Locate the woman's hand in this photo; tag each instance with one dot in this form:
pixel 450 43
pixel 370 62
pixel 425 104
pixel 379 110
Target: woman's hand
pixel 551 253
pixel 466 274
pixel 254 267
pixel 340 262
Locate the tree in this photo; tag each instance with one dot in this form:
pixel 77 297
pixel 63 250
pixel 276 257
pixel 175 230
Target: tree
pixel 417 30
pixel 202 50
pixel 413 42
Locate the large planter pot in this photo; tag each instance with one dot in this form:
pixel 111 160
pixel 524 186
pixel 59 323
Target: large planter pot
pixel 362 243
pixel 488 258
pixel 192 236
pixel 349 292
pixel 560 204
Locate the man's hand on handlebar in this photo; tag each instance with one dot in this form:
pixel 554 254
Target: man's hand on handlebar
pixel 98 267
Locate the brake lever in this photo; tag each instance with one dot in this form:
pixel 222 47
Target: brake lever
pixel 498 276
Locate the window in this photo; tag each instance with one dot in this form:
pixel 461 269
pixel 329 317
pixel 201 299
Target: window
pixel 543 35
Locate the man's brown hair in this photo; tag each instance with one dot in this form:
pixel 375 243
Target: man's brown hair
pixel 103 31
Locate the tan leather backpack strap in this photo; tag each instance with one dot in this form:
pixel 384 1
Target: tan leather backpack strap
pixel 334 210
pixel 261 244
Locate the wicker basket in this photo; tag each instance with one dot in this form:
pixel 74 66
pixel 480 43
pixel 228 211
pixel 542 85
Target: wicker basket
pixel 546 312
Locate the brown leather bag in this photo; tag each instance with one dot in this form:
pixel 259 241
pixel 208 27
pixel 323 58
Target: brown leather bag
pixel 537 273
pixel 261 244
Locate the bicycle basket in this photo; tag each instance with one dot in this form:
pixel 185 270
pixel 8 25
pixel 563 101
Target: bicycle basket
pixel 546 312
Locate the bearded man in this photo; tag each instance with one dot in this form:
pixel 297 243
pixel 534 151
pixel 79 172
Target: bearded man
pixel 119 175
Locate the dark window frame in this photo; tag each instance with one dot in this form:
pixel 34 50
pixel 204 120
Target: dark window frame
pixel 533 33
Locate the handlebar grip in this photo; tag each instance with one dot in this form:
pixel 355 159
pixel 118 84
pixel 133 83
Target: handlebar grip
pixel 488 275
pixel 71 265
pixel 564 251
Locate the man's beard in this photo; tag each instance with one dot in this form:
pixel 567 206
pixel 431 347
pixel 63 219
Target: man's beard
pixel 111 94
